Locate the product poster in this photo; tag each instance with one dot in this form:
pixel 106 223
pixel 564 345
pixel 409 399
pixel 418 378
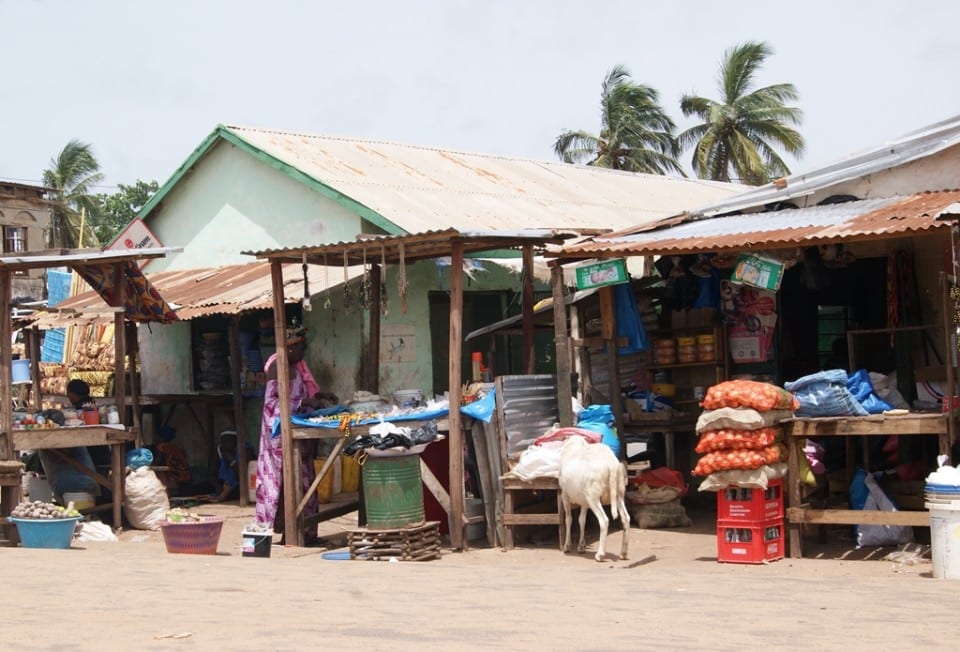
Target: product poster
pixel 398 343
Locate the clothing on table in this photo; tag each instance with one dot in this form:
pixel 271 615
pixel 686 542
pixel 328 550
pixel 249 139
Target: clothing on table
pixel 270 460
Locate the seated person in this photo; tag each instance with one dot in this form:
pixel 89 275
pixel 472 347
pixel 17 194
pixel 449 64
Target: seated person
pixel 62 475
pixel 178 476
pixel 228 473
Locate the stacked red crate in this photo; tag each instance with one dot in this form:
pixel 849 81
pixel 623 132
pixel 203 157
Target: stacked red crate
pixel 750 524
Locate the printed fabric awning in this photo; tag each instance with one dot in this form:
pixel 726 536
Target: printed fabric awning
pixel 142 302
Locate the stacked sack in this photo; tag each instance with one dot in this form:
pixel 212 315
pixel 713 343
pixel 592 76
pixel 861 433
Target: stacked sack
pixel 738 430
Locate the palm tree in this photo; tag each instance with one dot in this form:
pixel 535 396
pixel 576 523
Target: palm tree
pixel 740 134
pixel 72 176
pixel 636 134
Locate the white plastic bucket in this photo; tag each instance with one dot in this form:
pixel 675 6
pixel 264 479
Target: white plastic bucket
pixel 945 538
pixel 20 370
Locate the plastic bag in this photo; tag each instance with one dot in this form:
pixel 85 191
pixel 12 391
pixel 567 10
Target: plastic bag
pixel 139 457
pixel 538 462
pixel 482 409
pixel 876 499
pixel 862 389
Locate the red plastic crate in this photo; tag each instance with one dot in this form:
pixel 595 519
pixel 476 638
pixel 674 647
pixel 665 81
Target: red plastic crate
pixel 743 543
pixel 751 505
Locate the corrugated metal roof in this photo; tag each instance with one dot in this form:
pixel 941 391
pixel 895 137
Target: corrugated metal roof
pixel 229 290
pixel 394 249
pixel 915 145
pixel 67 257
pixel 418 188
pixel 847 222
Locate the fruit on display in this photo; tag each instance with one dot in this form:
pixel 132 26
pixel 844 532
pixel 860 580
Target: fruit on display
pixel 40 510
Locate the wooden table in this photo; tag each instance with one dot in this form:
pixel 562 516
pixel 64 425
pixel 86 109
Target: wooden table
pixel 799 429
pixel 342 506
pixel 116 437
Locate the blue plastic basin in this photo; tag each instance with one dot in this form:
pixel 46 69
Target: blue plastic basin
pixel 45 533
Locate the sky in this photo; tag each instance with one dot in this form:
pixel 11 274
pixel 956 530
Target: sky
pixel 145 82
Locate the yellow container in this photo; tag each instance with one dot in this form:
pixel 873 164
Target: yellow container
pixel 705 339
pixel 350 470
pixel 325 488
pixel 686 341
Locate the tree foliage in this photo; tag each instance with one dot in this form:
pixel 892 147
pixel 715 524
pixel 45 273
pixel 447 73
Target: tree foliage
pixel 636 134
pixel 740 134
pixel 72 175
pixel 115 211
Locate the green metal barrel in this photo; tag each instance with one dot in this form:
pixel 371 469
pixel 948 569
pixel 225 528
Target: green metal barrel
pixel 392 491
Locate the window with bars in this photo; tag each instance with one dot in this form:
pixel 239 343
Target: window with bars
pixel 14 239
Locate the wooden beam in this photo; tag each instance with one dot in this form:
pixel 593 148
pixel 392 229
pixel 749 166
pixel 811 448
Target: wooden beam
pixel 433 485
pixel 291 490
pixel 561 342
pixel 527 309
pixel 119 343
pixel 857 517
pixel 133 351
pixel 33 352
pixel 455 380
pixel 608 327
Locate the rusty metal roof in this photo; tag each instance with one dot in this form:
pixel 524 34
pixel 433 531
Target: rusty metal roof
pixel 413 189
pixel 396 249
pixel 193 293
pixel 868 219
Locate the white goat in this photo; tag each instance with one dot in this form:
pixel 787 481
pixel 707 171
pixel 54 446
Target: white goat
pixel 591 476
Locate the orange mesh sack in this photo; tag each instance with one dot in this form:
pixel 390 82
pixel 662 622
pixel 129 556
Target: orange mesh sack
pixel 749 394
pixel 727 439
pixel 724 460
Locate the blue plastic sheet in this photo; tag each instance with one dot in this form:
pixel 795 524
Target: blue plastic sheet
pixel 139 457
pixel 862 389
pixel 599 419
pixel 482 409
pixel 825 394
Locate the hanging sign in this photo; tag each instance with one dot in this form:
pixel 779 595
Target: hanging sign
pixel 606 272
pixel 136 235
pixel 758 271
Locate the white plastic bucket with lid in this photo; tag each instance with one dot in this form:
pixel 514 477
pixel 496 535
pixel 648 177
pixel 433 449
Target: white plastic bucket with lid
pixel 20 371
pixel 944 534
pixel 408 398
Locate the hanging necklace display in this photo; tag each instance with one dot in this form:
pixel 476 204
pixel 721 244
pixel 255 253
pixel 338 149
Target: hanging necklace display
pixel 365 284
pixel 326 283
pixel 347 290
pixel 307 306
pixel 402 280
pixel 384 302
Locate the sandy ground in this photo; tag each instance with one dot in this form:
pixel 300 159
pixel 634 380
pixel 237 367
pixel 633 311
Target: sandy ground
pixel 671 594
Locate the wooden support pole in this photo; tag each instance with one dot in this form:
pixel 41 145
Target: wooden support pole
pixel 291 532
pixel 608 328
pixel 527 276
pixel 33 352
pixel 236 355
pixel 6 374
pixel 947 311
pixel 562 342
pixel 133 351
pixel 119 340
pixel 455 380
pixel 373 349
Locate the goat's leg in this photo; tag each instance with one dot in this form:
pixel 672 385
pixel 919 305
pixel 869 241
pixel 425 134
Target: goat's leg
pixel 625 521
pixel 583 529
pixel 567 519
pixel 597 508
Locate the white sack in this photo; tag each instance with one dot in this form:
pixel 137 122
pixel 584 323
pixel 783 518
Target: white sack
pixel 145 502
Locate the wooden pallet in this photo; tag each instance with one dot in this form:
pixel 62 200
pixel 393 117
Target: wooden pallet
pixel 415 543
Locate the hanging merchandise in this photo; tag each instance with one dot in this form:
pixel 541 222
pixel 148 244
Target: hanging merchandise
pixel 347 290
pixel 326 283
pixel 384 301
pixel 365 289
pixel 306 286
pixel 402 280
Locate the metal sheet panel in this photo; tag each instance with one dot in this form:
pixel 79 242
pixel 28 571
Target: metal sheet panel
pixel 529 408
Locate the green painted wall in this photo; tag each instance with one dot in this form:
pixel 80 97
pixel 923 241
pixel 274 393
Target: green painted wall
pixel 231 202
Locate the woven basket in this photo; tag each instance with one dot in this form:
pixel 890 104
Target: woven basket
pixel 196 538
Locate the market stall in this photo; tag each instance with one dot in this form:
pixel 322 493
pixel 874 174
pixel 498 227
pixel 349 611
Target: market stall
pixel 399 250
pixel 116 277
pixel 872 278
